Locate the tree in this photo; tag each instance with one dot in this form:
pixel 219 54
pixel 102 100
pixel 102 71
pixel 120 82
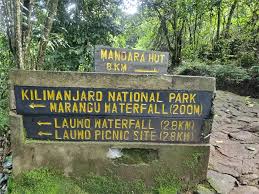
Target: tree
pixel 19 14
pixel 231 12
pixel 52 5
pixel 172 16
pixel 80 26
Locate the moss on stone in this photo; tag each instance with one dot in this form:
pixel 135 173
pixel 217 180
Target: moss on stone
pixel 43 181
pixel 194 161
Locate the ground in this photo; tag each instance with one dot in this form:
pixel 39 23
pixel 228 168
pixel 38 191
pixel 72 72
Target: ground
pixel 234 158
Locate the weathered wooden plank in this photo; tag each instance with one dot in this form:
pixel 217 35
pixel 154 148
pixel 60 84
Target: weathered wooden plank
pixel 114 129
pixel 111 101
pixel 118 60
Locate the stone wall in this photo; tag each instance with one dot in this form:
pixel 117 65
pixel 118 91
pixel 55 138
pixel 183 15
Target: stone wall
pixel 188 162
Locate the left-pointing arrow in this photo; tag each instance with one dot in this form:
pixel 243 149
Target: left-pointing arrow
pixel 40 123
pixel 32 105
pixel 41 133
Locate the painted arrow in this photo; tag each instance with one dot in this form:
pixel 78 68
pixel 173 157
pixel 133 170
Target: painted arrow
pixel 41 133
pixel 146 71
pixel 32 105
pixel 40 123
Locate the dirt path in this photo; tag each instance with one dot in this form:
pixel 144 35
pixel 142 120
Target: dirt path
pixel 234 160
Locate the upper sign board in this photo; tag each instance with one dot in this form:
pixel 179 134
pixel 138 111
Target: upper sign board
pixel 117 60
pixel 111 101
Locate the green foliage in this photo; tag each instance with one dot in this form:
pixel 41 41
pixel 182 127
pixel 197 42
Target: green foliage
pixel 194 162
pixel 147 30
pixel 166 183
pixel 5 65
pixel 106 185
pixel 247 59
pixel 222 72
pixel 3 122
pixel 254 71
pixel 187 29
pixel 167 190
pixel 229 72
pixel 78 29
pixel 43 181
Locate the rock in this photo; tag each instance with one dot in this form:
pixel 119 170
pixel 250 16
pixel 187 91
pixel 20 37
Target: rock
pixel 254 127
pixel 251 179
pixel 227 120
pixel 201 189
pixel 245 136
pixel 224 168
pixel 4 188
pixel 246 119
pixel 249 166
pixel 222 183
pixel 233 149
pixel 250 148
pixel 245 190
pixel 3 179
pixel 7 171
pixel 8 163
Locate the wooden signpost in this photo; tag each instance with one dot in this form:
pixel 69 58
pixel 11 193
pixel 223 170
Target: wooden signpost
pixel 117 60
pixel 70 121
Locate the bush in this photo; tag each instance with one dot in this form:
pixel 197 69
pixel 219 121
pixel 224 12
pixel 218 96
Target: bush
pixel 247 59
pixel 230 77
pixel 5 65
pixel 195 68
pixel 222 72
pixel 229 72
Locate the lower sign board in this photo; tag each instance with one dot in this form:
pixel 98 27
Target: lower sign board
pixel 114 129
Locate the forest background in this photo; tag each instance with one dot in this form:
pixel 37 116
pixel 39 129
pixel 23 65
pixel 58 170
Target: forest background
pixel 218 38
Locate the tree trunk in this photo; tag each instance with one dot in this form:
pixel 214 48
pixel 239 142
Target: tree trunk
pixel 232 9
pixel 219 21
pixel 9 22
pixel 195 29
pixel 45 37
pixel 164 28
pixel 178 55
pixel 27 31
pixel 18 36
